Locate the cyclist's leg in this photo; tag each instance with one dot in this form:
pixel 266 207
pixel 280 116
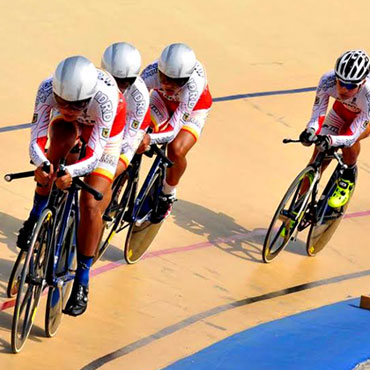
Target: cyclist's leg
pixel 91 211
pixel 178 150
pixel 346 183
pixel 62 137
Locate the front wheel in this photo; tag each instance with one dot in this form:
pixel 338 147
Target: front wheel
pixel 142 231
pixel 288 216
pixel 31 282
pixel 66 266
pixel 15 275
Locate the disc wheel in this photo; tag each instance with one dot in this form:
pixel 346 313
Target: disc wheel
pixel 324 226
pixel 142 232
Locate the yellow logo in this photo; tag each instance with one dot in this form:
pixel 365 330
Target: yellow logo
pixel 105 132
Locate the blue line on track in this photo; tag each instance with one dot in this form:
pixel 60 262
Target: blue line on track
pixel 220 99
pixel 334 337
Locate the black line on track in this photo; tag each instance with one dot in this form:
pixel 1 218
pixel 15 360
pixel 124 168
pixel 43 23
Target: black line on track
pixel 214 311
pixel 220 99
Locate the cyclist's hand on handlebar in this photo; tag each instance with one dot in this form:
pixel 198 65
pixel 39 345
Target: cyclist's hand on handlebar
pixel 43 178
pixel 307 136
pixel 64 182
pixel 323 143
pixel 144 145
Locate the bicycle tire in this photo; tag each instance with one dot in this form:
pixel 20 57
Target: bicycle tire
pixel 14 278
pixel 274 234
pixel 140 237
pixel 32 282
pixel 58 296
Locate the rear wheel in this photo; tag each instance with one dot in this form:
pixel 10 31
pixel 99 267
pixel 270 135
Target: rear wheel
pixel 31 282
pixel 142 231
pixel 288 216
pixel 326 222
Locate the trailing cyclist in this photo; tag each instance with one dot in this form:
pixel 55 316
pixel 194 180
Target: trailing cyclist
pixel 179 105
pixel 78 103
pixel 347 121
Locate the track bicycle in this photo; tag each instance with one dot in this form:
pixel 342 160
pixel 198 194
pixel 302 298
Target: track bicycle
pixel 134 210
pixel 50 261
pixel 297 211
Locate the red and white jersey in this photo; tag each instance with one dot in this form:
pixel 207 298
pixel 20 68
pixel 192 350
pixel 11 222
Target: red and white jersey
pixel 358 107
pixel 186 98
pixel 137 118
pixel 99 114
pixel 137 104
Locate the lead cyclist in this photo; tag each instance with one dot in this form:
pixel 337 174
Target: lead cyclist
pixel 79 102
pixel 347 121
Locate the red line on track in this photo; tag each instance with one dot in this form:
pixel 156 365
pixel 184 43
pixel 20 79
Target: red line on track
pixel 113 265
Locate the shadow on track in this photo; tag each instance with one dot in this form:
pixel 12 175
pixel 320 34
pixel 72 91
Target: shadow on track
pixel 224 232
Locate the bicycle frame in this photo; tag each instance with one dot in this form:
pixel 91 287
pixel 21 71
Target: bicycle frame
pixel 157 164
pixel 71 204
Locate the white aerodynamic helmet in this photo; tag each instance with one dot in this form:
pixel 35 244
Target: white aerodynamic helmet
pixel 75 78
pixel 352 66
pixel 177 61
pixel 121 60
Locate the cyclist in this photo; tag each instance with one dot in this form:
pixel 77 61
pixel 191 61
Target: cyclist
pixel 347 121
pixel 179 105
pixel 78 103
pixel 123 61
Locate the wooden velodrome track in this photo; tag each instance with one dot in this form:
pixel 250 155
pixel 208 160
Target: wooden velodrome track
pixel 208 255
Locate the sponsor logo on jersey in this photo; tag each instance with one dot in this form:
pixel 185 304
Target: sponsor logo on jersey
pixel 110 160
pixel 139 100
pixel 105 78
pixel 105 132
pixel 328 82
pixel 331 128
pixel 150 71
pixel 192 86
pixel 44 92
pixel 106 106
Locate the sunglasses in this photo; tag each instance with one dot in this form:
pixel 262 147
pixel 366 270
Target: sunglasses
pixel 179 82
pixel 72 105
pixel 348 86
